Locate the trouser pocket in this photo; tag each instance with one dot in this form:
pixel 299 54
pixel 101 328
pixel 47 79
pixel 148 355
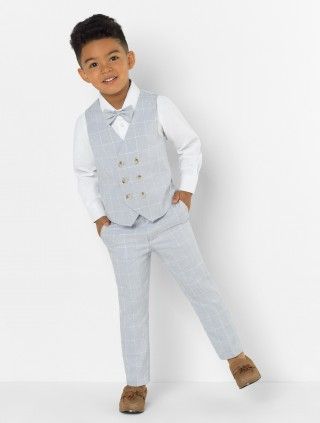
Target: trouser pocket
pixel 105 228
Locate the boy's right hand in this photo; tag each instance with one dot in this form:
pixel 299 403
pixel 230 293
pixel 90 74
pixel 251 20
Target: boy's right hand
pixel 103 220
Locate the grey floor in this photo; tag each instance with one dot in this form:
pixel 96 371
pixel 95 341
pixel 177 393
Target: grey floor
pixel 77 402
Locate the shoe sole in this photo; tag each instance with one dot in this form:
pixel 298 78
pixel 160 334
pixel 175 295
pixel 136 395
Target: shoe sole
pixel 131 411
pixel 249 383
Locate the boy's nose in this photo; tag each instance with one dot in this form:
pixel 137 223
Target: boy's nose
pixel 106 69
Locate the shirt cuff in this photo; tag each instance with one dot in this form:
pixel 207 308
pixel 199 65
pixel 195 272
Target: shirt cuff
pixel 96 210
pixel 188 183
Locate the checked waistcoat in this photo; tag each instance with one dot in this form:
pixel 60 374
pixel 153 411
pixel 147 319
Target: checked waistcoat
pixel 134 175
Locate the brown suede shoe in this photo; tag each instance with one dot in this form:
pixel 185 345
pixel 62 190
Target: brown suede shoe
pixel 133 399
pixel 244 371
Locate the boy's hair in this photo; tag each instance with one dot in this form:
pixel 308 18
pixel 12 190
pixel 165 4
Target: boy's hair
pixel 94 28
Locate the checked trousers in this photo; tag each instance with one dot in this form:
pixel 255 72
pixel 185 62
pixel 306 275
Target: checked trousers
pixel 172 238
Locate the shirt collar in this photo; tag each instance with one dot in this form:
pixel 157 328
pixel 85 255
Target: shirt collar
pixel 131 98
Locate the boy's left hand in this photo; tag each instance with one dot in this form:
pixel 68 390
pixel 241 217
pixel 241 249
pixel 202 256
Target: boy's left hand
pixel 184 196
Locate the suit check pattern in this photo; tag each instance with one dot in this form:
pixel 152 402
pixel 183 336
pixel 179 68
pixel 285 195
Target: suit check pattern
pixel 136 189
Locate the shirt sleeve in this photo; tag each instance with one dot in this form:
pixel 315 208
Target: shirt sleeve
pixel 186 141
pixel 85 170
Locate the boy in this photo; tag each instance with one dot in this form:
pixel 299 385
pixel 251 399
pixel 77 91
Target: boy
pixel 124 180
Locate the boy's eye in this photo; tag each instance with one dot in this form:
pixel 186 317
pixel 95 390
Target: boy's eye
pixel 94 63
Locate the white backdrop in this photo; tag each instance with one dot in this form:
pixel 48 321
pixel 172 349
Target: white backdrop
pixel 246 76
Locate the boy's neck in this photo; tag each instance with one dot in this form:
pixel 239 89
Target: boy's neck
pixel 116 100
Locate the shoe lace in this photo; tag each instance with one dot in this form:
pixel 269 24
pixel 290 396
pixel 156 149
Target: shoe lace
pixel 245 367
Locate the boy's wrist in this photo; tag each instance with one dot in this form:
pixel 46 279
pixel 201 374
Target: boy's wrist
pixel 102 220
pixel 185 195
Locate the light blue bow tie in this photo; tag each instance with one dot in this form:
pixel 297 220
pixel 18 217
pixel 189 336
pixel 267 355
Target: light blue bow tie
pixel 111 115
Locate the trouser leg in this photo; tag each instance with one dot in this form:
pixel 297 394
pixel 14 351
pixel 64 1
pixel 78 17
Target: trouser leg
pixel 178 249
pixel 130 256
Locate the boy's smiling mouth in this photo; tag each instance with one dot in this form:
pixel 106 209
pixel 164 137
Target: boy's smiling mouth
pixel 109 80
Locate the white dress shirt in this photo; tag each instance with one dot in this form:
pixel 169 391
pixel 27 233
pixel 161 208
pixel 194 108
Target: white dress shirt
pixel 172 125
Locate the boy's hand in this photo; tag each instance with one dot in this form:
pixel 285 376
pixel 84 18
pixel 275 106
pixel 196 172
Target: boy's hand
pixel 184 196
pixel 103 220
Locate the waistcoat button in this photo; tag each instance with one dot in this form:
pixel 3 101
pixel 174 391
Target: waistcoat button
pixel 120 163
pixel 136 160
pixel 124 179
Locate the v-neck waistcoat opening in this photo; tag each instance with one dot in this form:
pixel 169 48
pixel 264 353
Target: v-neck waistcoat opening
pixel 134 117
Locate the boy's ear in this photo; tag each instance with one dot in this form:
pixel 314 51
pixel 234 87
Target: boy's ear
pixel 83 75
pixel 131 59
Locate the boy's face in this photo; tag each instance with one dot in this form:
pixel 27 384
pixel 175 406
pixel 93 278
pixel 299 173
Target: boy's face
pixel 103 59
